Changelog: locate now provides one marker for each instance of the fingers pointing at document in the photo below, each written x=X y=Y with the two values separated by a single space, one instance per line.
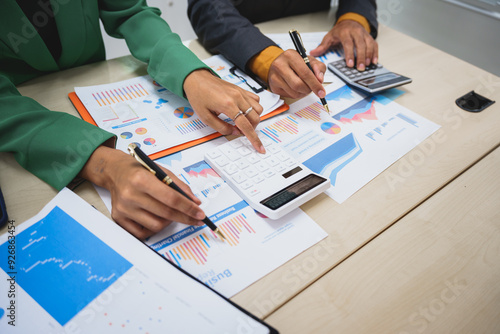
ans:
x=210 y=96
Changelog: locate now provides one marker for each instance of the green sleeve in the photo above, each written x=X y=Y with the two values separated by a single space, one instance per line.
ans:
x=150 y=39
x=52 y=145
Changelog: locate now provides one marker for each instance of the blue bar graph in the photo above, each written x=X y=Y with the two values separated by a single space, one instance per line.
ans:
x=408 y=119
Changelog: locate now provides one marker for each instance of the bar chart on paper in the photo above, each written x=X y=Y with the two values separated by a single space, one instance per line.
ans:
x=312 y=112
x=390 y=128
x=141 y=111
x=203 y=245
x=283 y=127
x=119 y=94
x=232 y=264
x=191 y=126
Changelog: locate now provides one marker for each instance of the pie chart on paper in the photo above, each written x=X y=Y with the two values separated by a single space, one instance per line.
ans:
x=126 y=135
x=330 y=128
x=149 y=141
x=141 y=131
x=183 y=112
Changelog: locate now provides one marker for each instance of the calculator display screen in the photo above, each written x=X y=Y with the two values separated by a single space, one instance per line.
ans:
x=377 y=79
x=383 y=81
x=293 y=191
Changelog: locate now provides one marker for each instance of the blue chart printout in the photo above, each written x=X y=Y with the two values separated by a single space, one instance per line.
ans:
x=75 y=271
x=62 y=275
x=363 y=135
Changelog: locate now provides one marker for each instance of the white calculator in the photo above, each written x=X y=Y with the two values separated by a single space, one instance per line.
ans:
x=273 y=183
x=373 y=79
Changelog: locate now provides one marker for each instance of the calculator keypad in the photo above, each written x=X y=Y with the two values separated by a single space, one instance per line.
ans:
x=248 y=170
x=352 y=73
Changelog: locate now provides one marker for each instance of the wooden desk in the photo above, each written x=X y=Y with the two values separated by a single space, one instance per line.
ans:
x=438 y=80
x=437 y=270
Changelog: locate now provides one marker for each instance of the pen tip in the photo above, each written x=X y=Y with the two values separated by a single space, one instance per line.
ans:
x=326 y=108
x=219 y=233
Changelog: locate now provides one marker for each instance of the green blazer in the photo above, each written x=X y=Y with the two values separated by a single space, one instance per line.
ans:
x=54 y=145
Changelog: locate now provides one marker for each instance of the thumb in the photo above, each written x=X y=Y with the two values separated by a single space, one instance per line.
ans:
x=323 y=47
x=320 y=50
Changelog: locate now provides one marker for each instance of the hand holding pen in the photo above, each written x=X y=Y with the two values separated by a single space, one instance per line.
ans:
x=161 y=175
x=141 y=204
x=297 y=42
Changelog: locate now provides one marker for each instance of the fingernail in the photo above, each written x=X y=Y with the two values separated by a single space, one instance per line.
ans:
x=321 y=76
x=321 y=94
x=200 y=215
x=361 y=67
x=236 y=132
x=350 y=63
x=200 y=223
x=262 y=149
x=367 y=61
x=375 y=60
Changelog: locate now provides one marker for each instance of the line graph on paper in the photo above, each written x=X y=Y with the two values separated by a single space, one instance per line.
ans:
x=60 y=275
x=342 y=98
x=203 y=180
x=362 y=111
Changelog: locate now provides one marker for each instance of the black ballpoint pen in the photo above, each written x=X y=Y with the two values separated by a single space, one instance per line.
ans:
x=297 y=41
x=144 y=160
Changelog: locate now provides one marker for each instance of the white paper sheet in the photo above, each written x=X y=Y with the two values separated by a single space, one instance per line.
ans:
x=141 y=111
x=228 y=266
x=361 y=138
x=78 y=272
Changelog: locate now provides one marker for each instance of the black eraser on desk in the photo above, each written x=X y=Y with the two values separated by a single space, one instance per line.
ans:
x=473 y=102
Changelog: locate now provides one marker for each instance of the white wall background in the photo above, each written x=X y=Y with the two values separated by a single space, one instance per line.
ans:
x=466 y=34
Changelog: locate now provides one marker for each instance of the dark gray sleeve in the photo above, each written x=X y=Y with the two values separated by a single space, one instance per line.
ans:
x=222 y=29
x=366 y=8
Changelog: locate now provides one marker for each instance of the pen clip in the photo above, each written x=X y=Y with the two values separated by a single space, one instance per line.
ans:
x=299 y=44
x=131 y=148
x=300 y=37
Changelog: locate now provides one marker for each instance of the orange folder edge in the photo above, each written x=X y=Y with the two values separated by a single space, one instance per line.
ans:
x=86 y=117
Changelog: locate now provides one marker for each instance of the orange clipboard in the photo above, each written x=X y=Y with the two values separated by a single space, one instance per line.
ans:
x=86 y=117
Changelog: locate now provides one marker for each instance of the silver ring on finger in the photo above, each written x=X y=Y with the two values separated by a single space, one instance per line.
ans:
x=248 y=111
x=238 y=115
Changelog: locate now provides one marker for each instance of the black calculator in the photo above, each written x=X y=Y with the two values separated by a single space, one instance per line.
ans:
x=373 y=79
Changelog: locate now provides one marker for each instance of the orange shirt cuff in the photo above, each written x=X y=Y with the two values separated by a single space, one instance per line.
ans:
x=261 y=62
x=356 y=17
